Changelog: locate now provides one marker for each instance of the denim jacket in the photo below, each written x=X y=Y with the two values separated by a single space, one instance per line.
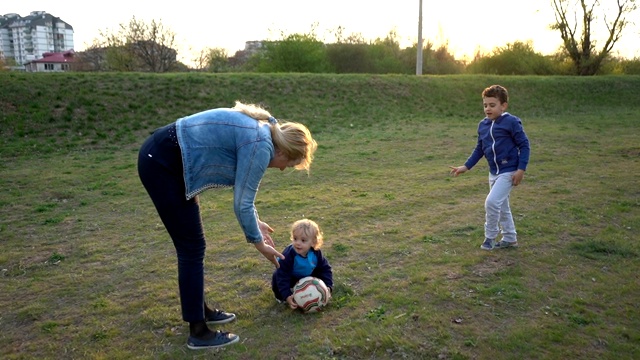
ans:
x=226 y=148
x=503 y=142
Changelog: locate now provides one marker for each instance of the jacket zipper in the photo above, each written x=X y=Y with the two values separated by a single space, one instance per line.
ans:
x=493 y=148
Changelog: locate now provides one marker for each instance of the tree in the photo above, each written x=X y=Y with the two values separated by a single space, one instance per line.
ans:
x=440 y=61
x=6 y=63
x=582 y=51
x=93 y=58
x=294 y=53
x=353 y=38
x=349 y=53
x=217 y=60
x=153 y=44
x=139 y=46
x=212 y=60
x=200 y=61
x=349 y=58
x=518 y=58
x=385 y=56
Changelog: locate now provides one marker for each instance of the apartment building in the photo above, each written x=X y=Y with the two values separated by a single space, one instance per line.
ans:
x=25 y=39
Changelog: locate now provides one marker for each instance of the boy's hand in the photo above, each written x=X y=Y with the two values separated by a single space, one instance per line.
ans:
x=517 y=177
x=457 y=170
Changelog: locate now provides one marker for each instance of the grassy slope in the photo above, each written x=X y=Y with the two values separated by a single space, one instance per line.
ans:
x=89 y=272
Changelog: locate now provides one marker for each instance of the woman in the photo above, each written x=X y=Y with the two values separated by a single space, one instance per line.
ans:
x=226 y=147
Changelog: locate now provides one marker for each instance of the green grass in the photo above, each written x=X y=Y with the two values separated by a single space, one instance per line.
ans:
x=88 y=271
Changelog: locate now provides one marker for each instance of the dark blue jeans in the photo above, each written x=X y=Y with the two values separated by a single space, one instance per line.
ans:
x=160 y=170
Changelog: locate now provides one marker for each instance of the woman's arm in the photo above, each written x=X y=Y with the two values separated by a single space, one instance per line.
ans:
x=252 y=162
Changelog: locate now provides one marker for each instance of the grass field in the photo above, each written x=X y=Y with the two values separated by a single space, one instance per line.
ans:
x=88 y=271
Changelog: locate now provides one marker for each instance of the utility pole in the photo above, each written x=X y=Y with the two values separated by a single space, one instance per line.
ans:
x=419 y=57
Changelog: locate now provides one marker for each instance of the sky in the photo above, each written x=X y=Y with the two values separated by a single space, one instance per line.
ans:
x=465 y=26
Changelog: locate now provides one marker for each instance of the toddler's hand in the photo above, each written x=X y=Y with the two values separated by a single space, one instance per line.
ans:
x=291 y=302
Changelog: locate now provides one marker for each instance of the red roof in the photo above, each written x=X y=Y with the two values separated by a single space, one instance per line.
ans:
x=63 y=57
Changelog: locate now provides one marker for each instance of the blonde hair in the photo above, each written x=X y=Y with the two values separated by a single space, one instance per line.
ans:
x=293 y=139
x=310 y=229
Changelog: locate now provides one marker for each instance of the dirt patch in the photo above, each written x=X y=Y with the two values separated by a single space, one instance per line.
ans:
x=491 y=265
x=7 y=108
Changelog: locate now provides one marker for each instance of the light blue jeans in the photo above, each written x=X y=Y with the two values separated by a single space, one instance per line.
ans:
x=498 y=212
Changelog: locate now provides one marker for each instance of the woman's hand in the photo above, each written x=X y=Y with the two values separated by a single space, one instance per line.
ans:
x=266 y=230
x=269 y=252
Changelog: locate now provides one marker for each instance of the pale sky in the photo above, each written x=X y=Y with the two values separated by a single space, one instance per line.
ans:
x=466 y=26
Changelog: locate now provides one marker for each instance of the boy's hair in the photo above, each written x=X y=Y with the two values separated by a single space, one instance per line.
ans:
x=310 y=229
x=293 y=139
x=498 y=92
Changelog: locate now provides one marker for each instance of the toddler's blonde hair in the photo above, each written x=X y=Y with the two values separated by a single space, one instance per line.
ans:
x=310 y=229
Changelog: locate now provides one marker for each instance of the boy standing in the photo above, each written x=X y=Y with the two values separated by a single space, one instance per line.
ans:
x=503 y=142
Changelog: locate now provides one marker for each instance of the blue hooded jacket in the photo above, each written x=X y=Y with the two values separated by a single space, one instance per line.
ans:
x=503 y=142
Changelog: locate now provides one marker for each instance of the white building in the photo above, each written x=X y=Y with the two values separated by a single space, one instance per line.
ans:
x=52 y=62
x=25 y=39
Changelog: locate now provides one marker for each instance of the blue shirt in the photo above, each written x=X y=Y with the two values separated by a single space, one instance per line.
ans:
x=303 y=266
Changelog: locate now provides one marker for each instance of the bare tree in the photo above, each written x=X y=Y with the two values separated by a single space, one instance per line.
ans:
x=93 y=58
x=200 y=60
x=152 y=43
x=139 y=46
x=582 y=51
x=342 y=38
x=211 y=60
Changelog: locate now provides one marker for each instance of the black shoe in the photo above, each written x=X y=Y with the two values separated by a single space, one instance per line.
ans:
x=220 y=317
x=219 y=339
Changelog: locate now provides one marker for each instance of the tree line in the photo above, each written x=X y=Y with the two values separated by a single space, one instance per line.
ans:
x=140 y=46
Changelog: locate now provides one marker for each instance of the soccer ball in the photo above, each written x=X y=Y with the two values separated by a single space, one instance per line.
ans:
x=311 y=294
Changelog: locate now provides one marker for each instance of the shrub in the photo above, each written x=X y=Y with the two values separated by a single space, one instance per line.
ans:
x=514 y=59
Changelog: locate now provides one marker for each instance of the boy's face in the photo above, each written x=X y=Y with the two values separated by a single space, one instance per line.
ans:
x=301 y=242
x=493 y=108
